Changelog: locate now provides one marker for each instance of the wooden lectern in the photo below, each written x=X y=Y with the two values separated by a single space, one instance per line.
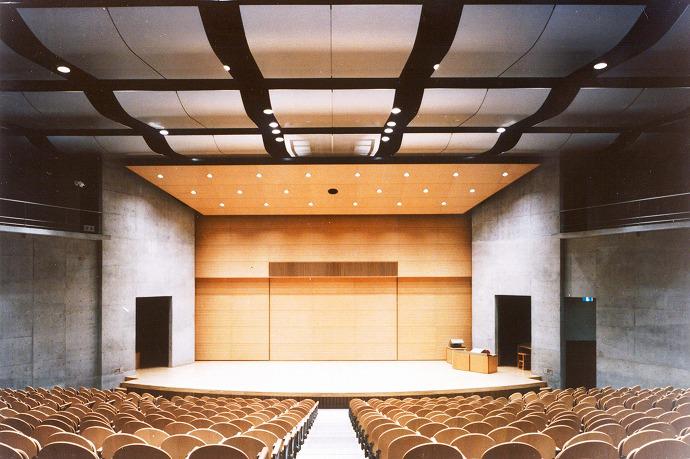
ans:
x=483 y=363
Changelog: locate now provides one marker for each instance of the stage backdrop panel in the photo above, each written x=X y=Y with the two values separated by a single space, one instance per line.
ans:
x=333 y=319
x=232 y=319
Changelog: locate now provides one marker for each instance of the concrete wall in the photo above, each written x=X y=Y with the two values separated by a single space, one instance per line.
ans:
x=150 y=253
x=514 y=252
x=641 y=282
x=49 y=311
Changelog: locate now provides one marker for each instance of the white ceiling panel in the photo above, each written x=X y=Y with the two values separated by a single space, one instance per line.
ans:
x=504 y=107
x=160 y=109
x=539 y=143
x=491 y=37
x=356 y=144
x=193 y=144
x=309 y=144
x=240 y=144
x=471 y=143
x=424 y=143
x=448 y=107
x=64 y=109
x=76 y=144
x=593 y=106
x=362 y=107
x=88 y=38
x=302 y=108
x=670 y=56
x=216 y=109
x=125 y=145
x=16 y=67
x=373 y=40
x=574 y=36
x=289 y=41
x=172 y=40
x=583 y=143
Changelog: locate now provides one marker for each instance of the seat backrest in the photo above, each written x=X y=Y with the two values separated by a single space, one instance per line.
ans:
x=42 y=432
x=401 y=445
x=208 y=436
x=560 y=434
x=478 y=427
x=639 y=438
x=449 y=434
x=96 y=435
x=430 y=429
x=586 y=436
x=433 y=451
x=512 y=450
x=140 y=451
x=7 y=452
x=64 y=450
x=504 y=434
x=387 y=438
x=178 y=446
x=248 y=445
x=218 y=452
x=615 y=431
x=541 y=442
x=177 y=428
x=71 y=438
x=115 y=442
x=151 y=435
x=664 y=448
x=591 y=448
x=226 y=429
x=18 y=440
x=473 y=445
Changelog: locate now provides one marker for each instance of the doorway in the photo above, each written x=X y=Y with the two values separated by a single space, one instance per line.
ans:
x=513 y=327
x=580 y=331
x=153 y=331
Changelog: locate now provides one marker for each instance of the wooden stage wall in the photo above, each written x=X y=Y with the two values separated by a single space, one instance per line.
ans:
x=242 y=313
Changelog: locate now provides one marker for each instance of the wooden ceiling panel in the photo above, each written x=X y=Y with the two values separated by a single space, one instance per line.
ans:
x=451 y=189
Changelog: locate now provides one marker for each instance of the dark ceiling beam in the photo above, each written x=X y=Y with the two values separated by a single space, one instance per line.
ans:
x=16 y=34
x=225 y=32
x=336 y=83
x=654 y=21
x=15 y=130
x=438 y=24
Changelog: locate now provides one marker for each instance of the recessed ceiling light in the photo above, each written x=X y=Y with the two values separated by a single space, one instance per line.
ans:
x=222 y=204
x=193 y=191
x=195 y=159
x=395 y=110
x=311 y=204
x=385 y=138
x=436 y=66
x=357 y=174
x=286 y=191
x=268 y=111
x=160 y=176
x=163 y=132
x=390 y=123
x=226 y=68
x=240 y=191
x=379 y=190
x=444 y=203
x=406 y=174
x=425 y=190
x=209 y=175
x=399 y=204
x=265 y=204
x=505 y=174
x=275 y=131
x=307 y=175
x=273 y=124
x=63 y=69
x=279 y=139
x=355 y=204
x=455 y=174
x=388 y=130
x=259 y=175
x=600 y=65
x=501 y=130
x=472 y=190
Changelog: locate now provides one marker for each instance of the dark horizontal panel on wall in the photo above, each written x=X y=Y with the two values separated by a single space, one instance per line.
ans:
x=333 y=269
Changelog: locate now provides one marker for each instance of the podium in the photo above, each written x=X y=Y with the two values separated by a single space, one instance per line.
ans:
x=483 y=363
x=461 y=359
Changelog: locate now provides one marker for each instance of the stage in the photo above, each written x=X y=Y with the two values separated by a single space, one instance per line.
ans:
x=333 y=383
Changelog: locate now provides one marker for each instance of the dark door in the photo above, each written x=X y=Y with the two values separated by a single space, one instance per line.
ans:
x=153 y=331
x=580 y=329
x=513 y=327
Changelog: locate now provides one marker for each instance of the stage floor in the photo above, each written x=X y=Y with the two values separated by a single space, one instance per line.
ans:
x=327 y=379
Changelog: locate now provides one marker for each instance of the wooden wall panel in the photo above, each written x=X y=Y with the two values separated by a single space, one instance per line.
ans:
x=423 y=245
x=430 y=312
x=232 y=319
x=333 y=319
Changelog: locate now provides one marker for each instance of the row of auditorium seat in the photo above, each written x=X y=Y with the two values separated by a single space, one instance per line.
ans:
x=87 y=423
x=601 y=423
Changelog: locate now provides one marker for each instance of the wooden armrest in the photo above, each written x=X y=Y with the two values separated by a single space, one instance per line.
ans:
x=263 y=454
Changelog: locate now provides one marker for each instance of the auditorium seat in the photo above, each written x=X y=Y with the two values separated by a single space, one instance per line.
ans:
x=217 y=452
x=140 y=451
x=511 y=451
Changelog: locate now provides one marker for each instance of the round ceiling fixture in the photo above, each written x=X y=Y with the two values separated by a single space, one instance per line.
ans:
x=332 y=191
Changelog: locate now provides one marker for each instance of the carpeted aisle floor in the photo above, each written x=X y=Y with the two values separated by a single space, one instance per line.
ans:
x=331 y=436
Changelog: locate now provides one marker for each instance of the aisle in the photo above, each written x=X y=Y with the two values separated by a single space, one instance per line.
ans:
x=331 y=436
